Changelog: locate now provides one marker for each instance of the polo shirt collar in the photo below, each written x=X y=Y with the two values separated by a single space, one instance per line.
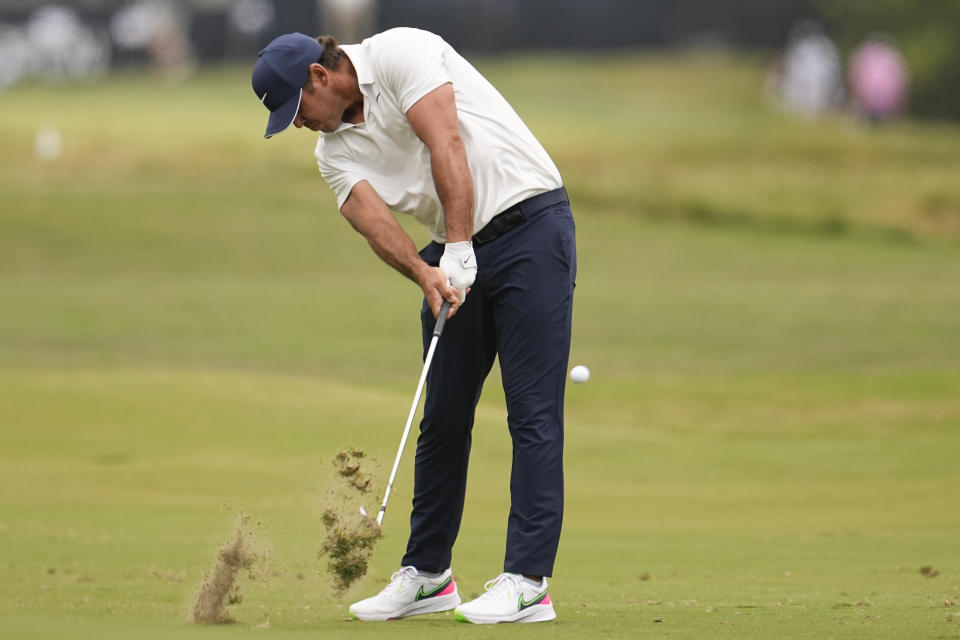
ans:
x=365 y=79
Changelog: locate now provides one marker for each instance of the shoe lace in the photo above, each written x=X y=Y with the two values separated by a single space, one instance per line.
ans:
x=399 y=577
x=503 y=583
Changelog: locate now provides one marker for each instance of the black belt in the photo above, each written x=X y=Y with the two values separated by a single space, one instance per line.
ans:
x=517 y=214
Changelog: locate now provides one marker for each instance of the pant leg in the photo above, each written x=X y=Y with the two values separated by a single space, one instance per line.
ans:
x=461 y=362
x=533 y=306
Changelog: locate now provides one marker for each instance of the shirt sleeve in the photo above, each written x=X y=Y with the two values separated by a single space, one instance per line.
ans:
x=410 y=63
x=339 y=171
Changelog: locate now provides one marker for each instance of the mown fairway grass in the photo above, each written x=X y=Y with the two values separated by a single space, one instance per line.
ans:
x=768 y=447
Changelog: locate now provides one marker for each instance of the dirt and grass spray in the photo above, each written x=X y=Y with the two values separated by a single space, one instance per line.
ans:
x=351 y=532
x=239 y=557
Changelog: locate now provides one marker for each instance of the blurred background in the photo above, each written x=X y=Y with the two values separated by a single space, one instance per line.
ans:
x=879 y=57
x=768 y=223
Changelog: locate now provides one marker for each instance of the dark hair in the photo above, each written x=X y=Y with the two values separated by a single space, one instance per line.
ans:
x=332 y=53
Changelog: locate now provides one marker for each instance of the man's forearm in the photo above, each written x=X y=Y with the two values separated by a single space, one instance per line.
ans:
x=367 y=213
x=397 y=249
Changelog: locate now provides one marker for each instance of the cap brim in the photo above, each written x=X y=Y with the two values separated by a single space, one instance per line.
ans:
x=283 y=117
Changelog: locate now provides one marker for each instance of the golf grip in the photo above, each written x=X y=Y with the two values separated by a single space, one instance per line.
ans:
x=441 y=318
x=437 y=330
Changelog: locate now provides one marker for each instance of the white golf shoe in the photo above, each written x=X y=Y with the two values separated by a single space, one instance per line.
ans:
x=509 y=598
x=409 y=593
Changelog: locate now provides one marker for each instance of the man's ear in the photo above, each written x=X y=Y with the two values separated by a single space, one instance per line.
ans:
x=318 y=73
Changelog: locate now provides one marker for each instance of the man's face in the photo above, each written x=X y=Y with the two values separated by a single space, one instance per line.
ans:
x=321 y=109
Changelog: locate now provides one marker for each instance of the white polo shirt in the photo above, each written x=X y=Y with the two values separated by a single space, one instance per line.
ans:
x=395 y=69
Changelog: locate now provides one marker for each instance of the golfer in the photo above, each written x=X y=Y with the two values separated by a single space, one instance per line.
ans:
x=408 y=126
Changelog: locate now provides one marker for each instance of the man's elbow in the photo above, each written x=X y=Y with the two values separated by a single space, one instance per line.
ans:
x=454 y=144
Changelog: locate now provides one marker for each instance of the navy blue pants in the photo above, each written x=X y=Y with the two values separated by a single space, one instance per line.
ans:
x=519 y=309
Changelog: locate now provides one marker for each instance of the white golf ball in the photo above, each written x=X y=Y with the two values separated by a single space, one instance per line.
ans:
x=47 y=144
x=579 y=373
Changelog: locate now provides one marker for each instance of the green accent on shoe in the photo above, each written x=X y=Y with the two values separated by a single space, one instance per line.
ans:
x=459 y=617
x=353 y=615
x=537 y=600
x=421 y=595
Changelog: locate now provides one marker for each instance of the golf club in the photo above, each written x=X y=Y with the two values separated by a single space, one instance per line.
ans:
x=437 y=330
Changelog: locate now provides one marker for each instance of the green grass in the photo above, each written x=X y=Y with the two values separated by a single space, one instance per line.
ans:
x=767 y=448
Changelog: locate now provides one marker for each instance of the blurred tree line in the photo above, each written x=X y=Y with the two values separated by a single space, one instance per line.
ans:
x=493 y=26
x=926 y=31
x=928 y=35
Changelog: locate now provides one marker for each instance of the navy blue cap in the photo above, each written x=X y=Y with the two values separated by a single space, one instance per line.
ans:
x=279 y=75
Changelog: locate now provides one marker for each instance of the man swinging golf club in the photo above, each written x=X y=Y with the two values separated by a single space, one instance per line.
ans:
x=408 y=126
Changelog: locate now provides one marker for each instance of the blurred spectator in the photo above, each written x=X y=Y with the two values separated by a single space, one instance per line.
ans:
x=251 y=17
x=879 y=79
x=249 y=25
x=159 y=27
x=351 y=20
x=14 y=56
x=53 y=44
x=63 y=46
x=809 y=81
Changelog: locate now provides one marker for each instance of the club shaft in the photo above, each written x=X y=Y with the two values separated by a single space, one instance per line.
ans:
x=438 y=329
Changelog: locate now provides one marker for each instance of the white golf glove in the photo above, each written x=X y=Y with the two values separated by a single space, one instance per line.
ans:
x=459 y=264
